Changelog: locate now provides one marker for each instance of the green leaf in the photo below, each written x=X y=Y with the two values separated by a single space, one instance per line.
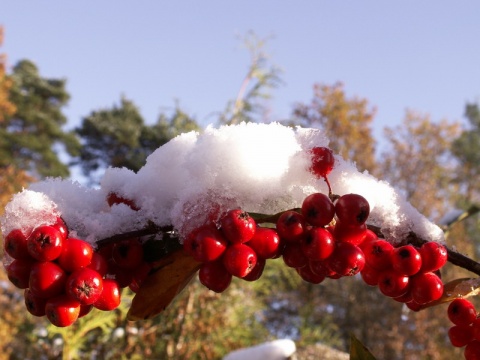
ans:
x=358 y=351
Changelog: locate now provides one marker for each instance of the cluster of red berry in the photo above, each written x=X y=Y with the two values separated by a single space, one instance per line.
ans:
x=407 y=274
x=63 y=277
x=466 y=327
x=230 y=250
x=325 y=239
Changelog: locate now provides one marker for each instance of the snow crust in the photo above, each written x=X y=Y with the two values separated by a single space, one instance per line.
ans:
x=280 y=349
x=258 y=167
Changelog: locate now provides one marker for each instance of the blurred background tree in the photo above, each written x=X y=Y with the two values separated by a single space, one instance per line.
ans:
x=261 y=78
x=32 y=137
x=119 y=137
x=347 y=123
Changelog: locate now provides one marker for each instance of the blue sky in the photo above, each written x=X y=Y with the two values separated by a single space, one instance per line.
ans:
x=422 y=55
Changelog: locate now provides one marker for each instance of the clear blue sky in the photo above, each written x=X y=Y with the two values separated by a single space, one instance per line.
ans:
x=423 y=55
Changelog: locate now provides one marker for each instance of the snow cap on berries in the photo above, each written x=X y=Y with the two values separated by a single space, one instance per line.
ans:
x=197 y=177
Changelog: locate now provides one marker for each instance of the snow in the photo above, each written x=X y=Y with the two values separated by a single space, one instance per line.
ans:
x=273 y=350
x=258 y=167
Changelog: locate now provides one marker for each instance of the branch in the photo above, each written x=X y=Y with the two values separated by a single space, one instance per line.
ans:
x=454 y=257
x=150 y=229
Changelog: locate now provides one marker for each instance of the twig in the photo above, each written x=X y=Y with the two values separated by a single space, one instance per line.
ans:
x=454 y=257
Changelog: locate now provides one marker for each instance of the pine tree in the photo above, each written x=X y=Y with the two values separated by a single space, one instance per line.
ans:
x=32 y=137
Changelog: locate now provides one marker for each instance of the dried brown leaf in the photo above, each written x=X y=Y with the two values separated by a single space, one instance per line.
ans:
x=170 y=276
x=464 y=287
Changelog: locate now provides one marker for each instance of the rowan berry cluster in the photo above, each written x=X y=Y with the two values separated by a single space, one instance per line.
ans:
x=405 y=273
x=236 y=248
x=327 y=237
x=63 y=277
x=465 y=331
x=322 y=239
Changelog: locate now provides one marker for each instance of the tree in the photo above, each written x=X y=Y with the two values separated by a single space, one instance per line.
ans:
x=119 y=137
x=12 y=179
x=110 y=137
x=7 y=108
x=419 y=162
x=466 y=149
x=260 y=79
x=346 y=121
x=31 y=138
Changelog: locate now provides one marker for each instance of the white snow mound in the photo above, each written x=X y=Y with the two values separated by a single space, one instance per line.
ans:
x=258 y=167
x=273 y=350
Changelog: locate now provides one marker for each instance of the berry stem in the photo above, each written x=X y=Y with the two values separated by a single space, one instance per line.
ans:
x=265 y=218
x=150 y=229
x=330 y=193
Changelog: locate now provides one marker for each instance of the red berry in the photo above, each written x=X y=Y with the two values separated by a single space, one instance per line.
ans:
x=128 y=253
x=369 y=236
x=215 y=276
x=308 y=275
x=106 y=251
x=293 y=255
x=352 y=209
x=239 y=259
x=257 y=270
x=35 y=305
x=99 y=264
x=47 y=279
x=110 y=297
x=405 y=298
x=207 y=243
x=461 y=312
x=15 y=245
x=434 y=256
x=291 y=226
x=426 y=287
x=370 y=275
x=347 y=259
x=323 y=161
x=476 y=328
x=113 y=199
x=393 y=284
x=61 y=226
x=378 y=254
x=472 y=350
x=412 y=305
x=317 y=244
x=62 y=311
x=352 y=234
x=76 y=254
x=122 y=276
x=266 y=243
x=460 y=335
x=406 y=260
x=45 y=243
x=139 y=276
x=18 y=272
x=85 y=286
x=84 y=310
x=238 y=226
x=318 y=209
x=319 y=267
